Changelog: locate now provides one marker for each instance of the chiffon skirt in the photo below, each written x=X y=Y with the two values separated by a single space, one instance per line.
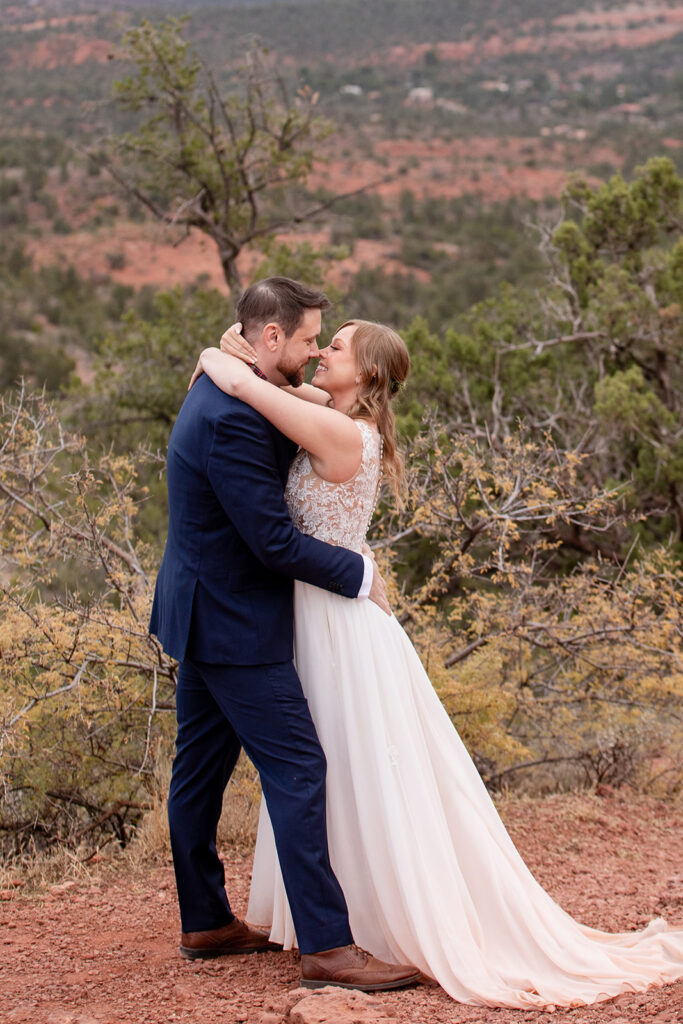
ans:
x=430 y=875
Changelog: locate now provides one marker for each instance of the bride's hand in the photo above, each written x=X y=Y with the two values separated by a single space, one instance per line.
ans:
x=227 y=372
x=378 y=592
x=234 y=344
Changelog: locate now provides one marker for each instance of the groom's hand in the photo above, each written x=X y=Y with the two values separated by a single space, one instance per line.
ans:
x=378 y=592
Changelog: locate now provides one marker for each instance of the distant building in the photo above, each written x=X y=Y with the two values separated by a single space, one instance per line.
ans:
x=629 y=108
x=451 y=106
x=564 y=130
x=420 y=95
x=494 y=85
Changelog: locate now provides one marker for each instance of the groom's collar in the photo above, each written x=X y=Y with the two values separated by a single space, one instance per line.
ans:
x=257 y=371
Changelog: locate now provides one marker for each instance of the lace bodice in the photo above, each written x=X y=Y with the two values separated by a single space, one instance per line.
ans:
x=337 y=513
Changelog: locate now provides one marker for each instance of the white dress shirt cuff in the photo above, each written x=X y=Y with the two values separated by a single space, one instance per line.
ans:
x=367 y=578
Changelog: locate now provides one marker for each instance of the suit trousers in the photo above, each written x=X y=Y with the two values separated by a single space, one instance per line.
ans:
x=262 y=708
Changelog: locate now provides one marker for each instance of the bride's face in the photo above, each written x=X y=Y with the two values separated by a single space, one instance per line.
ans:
x=337 y=371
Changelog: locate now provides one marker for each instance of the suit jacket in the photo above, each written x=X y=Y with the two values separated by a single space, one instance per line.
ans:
x=224 y=593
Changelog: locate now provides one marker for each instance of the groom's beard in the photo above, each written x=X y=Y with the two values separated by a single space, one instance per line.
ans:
x=294 y=375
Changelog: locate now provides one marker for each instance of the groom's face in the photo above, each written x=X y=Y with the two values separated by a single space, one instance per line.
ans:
x=299 y=347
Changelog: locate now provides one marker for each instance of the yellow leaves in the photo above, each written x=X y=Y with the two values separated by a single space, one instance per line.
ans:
x=61 y=506
x=540 y=494
x=671 y=313
x=87 y=666
x=531 y=662
x=118 y=467
x=492 y=501
x=480 y=700
x=77 y=669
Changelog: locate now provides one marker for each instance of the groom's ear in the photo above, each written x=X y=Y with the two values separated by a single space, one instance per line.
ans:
x=272 y=336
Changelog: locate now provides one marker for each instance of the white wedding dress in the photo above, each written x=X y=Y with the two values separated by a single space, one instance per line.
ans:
x=430 y=875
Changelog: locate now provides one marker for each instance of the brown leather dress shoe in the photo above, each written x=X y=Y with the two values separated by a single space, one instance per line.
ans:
x=351 y=967
x=233 y=938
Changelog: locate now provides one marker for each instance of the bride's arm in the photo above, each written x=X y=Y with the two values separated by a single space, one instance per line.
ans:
x=235 y=344
x=330 y=437
x=308 y=393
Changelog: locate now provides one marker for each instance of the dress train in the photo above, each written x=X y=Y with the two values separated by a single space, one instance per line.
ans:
x=430 y=875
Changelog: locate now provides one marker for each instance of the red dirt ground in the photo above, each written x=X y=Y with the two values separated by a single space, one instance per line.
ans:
x=494 y=169
x=632 y=27
x=593 y=40
x=490 y=168
x=61 y=50
x=103 y=951
x=150 y=257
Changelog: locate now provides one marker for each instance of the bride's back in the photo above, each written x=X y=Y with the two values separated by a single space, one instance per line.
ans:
x=337 y=513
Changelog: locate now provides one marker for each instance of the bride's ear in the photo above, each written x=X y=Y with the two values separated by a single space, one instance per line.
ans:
x=373 y=375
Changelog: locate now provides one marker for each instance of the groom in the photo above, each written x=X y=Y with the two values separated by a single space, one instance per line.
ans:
x=223 y=607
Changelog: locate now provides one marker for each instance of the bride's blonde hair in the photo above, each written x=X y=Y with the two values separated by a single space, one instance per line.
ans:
x=383 y=366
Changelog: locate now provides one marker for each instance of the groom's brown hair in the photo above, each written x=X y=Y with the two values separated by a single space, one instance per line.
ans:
x=280 y=300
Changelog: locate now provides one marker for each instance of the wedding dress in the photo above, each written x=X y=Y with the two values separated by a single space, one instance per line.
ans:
x=430 y=875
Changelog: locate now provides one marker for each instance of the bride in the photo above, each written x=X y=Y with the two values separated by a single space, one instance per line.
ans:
x=430 y=875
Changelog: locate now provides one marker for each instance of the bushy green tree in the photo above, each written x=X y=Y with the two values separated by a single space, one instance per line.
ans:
x=143 y=367
x=593 y=356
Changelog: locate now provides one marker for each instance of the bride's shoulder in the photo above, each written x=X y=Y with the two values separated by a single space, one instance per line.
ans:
x=369 y=432
x=367 y=427
x=372 y=440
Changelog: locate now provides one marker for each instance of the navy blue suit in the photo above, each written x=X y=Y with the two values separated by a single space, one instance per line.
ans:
x=223 y=607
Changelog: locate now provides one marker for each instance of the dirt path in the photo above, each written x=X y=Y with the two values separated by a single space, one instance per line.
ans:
x=104 y=951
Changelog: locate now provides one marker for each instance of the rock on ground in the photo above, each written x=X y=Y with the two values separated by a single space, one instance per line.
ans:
x=328 y=1006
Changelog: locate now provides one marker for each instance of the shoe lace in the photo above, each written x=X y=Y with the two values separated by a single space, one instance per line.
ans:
x=365 y=956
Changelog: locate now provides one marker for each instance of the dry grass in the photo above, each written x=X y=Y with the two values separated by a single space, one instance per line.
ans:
x=36 y=870
x=236 y=829
x=239 y=821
